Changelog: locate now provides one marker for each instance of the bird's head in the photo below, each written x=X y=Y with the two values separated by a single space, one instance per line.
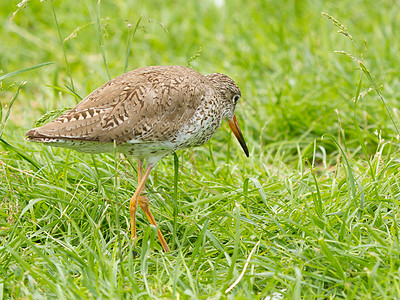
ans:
x=229 y=95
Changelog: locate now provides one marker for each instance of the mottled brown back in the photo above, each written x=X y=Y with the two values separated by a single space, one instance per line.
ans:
x=147 y=104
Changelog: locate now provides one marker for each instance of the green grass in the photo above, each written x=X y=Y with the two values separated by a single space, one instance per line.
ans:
x=312 y=214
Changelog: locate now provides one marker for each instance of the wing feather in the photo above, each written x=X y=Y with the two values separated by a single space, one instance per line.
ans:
x=147 y=104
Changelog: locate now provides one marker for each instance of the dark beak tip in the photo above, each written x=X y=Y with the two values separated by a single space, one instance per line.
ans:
x=244 y=146
x=236 y=130
x=246 y=151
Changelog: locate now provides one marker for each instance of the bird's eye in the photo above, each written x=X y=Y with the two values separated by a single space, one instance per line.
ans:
x=236 y=98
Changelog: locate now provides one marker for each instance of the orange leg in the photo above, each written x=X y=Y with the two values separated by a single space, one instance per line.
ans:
x=144 y=204
x=134 y=200
x=140 y=169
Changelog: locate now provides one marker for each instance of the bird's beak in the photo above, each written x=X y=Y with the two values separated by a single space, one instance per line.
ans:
x=233 y=124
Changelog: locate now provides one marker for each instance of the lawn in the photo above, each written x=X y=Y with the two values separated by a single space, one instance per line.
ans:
x=313 y=213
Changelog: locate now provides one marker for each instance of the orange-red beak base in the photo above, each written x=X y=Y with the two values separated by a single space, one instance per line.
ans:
x=233 y=124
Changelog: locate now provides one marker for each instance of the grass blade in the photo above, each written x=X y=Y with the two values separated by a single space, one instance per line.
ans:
x=129 y=45
x=20 y=71
x=349 y=168
x=376 y=88
x=67 y=90
x=19 y=152
x=175 y=198
x=3 y=122
x=62 y=43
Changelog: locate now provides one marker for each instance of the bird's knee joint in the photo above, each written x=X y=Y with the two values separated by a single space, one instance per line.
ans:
x=133 y=206
x=144 y=202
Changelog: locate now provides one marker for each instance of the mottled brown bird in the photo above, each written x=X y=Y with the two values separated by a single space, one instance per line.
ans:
x=147 y=113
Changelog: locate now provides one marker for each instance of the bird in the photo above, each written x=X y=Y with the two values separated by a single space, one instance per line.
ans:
x=147 y=114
